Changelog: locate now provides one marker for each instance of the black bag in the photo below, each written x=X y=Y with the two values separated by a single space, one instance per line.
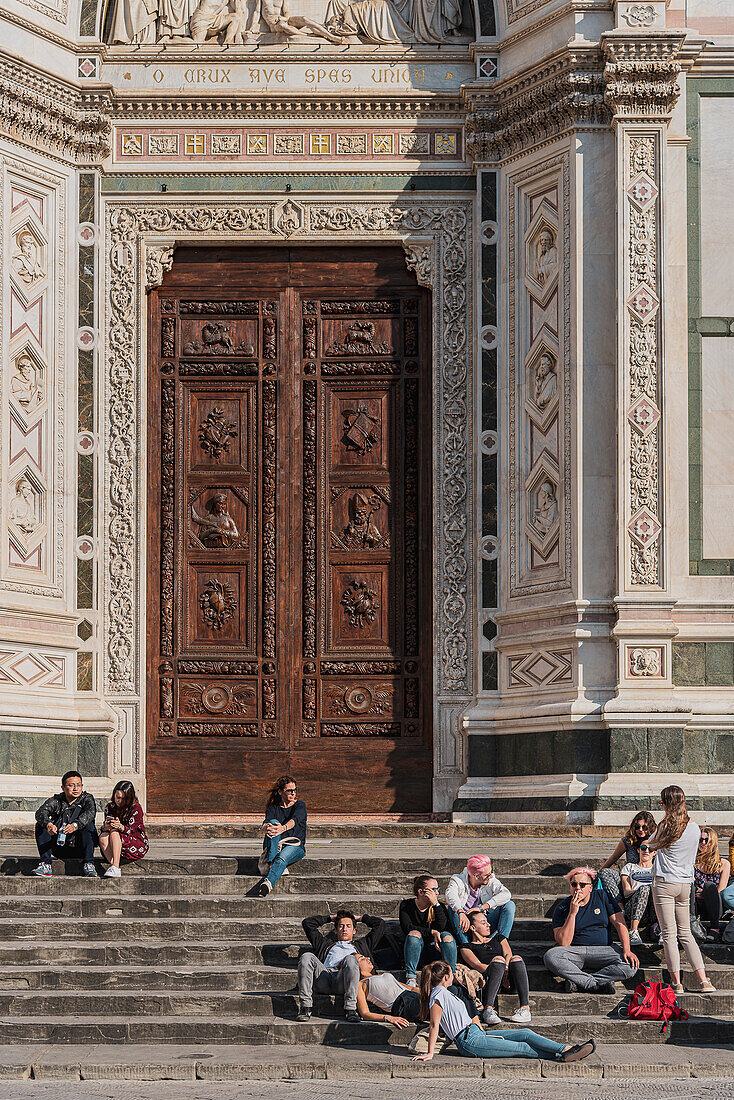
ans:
x=727 y=936
x=698 y=930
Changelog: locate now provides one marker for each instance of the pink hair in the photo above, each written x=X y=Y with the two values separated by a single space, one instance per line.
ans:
x=476 y=864
x=582 y=871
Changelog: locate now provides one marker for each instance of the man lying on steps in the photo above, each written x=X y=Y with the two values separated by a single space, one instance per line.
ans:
x=333 y=965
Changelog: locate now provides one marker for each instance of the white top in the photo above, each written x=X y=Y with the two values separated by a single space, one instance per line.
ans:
x=454 y=1017
x=637 y=875
x=383 y=990
x=493 y=894
x=336 y=954
x=676 y=863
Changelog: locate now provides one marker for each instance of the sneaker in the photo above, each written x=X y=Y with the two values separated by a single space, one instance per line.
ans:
x=113 y=872
x=304 y=1014
x=90 y=871
x=43 y=870
x=352 y=1017
x=607 y=987
x=264 y=888
x=490 y=1017
x=706 y=987
x=578 y=1051
x=678 y=989
x=522 y=1016
x=411 y=981
x=570 y=987
x=636 y=938
x=263 y=866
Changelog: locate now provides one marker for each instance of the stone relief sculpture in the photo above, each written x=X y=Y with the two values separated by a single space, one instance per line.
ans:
x=546 y=512
x=26 y=383
x=142 y=22
x=546 y=256
x=546 y=381
x=26 y=261
x=217 y=529
x=22 y=510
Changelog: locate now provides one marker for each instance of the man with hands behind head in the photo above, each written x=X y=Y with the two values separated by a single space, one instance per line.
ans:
x=582 y=926
x=68 y=815
x=333 y=965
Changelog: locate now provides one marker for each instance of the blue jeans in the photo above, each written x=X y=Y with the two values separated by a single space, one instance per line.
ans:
x=515 y=1043
x=500 y=920
x=279 y=860
x=418 y=951
x=79 y=845
x=727 y=896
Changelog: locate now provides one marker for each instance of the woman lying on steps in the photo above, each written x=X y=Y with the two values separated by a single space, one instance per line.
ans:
x=448 y=1014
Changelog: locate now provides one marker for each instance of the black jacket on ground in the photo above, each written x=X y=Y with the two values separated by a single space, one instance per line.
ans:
x=60 y=812
x=321 y=943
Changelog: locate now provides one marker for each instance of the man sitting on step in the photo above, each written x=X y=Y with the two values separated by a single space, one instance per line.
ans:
x=65 y=827
x=333 y=965
x=582 y=927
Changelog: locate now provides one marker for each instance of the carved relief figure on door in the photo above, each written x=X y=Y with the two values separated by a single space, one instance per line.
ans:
x=362 y=531
x=217 y=529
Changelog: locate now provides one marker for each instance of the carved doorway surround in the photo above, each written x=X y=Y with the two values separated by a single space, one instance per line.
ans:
x=436 y=234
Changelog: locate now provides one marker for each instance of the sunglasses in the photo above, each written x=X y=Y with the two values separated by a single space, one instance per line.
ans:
x=644 y=848
x=581 y=885
x=289 y=790
x=704 y=840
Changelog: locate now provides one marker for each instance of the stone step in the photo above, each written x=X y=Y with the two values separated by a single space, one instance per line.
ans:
x=248 y=828
x=312 y=883
x=63 y=1004
x=211 y=905
x=259 y=1031
x=257 y=978
x=12 y=865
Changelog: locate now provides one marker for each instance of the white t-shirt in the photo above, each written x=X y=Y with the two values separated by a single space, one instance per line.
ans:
x=338 y=953
x=383 y=990
x=454 y=1017
x=676 y=863
x=637 y=875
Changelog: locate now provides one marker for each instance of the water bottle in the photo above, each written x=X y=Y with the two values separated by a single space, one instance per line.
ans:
x=60 y=838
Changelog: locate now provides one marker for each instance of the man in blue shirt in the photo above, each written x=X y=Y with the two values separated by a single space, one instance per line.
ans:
x=333 y=965
x=582 y=926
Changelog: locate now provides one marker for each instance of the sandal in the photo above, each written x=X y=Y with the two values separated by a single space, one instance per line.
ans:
x=579 y=1051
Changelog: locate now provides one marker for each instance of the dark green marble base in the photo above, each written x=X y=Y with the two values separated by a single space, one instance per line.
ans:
x=585 y=804
x=52 y=753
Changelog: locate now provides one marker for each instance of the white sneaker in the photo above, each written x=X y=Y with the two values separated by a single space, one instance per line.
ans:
x=490 y=1016
x=285 y=872
x=113 y=872
x=412 y=983
x=522 y=1016
x=636 y=938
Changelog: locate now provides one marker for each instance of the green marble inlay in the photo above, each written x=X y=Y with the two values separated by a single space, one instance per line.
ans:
x=699 y=566
x=87 y=210
x=84 y=583
x=88 y=27
x=86 y=287
x=31 y=754
x=84 y=672
x=85 y=495
x=703 y=664
x=85 y=391
x=258 y=182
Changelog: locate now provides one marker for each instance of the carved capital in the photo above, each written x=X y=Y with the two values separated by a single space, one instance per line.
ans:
x=158 y=260
x=419 y=258
x=641 y=73
x=524 y=110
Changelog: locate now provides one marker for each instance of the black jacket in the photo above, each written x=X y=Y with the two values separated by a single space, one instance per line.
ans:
x=57 y=810
x=364 y=946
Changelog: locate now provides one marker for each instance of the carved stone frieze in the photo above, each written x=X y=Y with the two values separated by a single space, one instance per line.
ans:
x=512 y=115
x=641 y=73
x=132 y=225
x=158 y=260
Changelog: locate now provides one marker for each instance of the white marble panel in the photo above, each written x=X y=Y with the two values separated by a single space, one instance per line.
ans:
x=717 y=210
x=717 y=414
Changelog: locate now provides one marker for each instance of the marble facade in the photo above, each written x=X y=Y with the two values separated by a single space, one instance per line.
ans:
x=558 y=175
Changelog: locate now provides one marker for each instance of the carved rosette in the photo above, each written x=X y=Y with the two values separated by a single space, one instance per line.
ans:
x=133 y=224
x=641 y=76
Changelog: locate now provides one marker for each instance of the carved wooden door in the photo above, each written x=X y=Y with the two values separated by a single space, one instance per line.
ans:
x=289 y=522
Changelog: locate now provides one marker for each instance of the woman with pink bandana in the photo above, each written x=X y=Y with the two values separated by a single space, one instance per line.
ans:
x=478 y=888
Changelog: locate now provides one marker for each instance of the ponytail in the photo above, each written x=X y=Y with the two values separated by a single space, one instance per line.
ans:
x=431 y=976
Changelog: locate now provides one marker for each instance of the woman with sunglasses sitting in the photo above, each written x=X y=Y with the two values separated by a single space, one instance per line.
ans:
x=636 y=882
x=284 y=830
x=710 y=879
x=641 y=828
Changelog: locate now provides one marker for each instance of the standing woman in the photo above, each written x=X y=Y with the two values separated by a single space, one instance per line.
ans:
x=123 y=833
x=675 y=843
x=710 y=879
x=447 y=1012
x=284 y=829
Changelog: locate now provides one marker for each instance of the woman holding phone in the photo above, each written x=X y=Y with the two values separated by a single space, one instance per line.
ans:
x=123 y=833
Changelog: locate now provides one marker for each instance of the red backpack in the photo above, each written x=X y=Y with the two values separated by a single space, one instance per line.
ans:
x=654 y=1001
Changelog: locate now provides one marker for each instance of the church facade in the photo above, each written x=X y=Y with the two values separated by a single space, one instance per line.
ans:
x=366 y=412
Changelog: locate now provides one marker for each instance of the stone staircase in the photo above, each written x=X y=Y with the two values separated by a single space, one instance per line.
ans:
x=179 y=951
